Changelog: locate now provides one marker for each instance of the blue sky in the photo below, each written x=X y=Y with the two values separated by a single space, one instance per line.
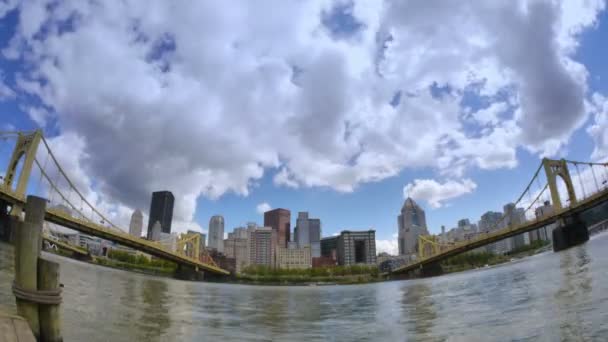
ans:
x=310 y=138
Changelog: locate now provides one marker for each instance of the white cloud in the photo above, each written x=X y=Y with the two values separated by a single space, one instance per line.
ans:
x=38 y=115
x=435 y=193
x=203 y=99
x=599 y=129
x=6 y=93
x=263 y=207
x=387 y=246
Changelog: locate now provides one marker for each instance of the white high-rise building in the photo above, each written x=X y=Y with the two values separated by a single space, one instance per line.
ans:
x=412 y=223
x=544 y=233
x=490 y=221
x=136 y=224
x=216 y=233
x=156 y=230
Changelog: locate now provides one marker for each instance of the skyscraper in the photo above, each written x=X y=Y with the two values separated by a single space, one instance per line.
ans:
x=279 y=220
x=137 y=223
x=301 y=230
x=161 y=210
x=412 y=223
x=308 y=233
x=216 y=233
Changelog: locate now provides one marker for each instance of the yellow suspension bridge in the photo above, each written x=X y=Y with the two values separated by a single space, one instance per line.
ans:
x=592 y=192
x=61 y=193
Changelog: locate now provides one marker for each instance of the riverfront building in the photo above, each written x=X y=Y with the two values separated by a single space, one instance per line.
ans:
x=329 y=247
x=357 y=247
x=489 y=222
x=136 y=224
x=155 y=232
x=544 y=233
x=261 y=248
x=412 y=223
x=161 y=210
x=294 y=258
x=237 y=247
x=216 y=233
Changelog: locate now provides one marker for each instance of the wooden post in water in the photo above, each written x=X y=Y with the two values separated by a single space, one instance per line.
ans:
x=27 y=249
x=50 y=320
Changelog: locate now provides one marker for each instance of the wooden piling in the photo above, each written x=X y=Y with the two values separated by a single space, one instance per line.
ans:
x=27 y=249
x=50 y=320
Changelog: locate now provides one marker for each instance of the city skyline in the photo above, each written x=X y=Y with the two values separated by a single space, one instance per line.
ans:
x=459 y=144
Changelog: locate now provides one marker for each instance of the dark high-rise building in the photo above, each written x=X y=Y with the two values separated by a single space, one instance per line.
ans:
x=329 y=247
x=279 y=220
x=161 y=210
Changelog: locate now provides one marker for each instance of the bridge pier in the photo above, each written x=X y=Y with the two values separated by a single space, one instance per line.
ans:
x=184 y=272
x=571 y=233
x=431 y=270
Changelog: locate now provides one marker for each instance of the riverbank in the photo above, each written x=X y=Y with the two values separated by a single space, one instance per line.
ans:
x=150 y=270
x=336 y=275
x=304 y=281
x=470 y=261
x=121 y=265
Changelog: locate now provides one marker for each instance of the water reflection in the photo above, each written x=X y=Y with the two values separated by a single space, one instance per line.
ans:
x=545 y=298
x=574 y=292
x=419 y=311
x=154 y=320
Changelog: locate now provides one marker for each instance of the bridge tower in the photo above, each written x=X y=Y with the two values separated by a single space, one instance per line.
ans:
x=26 y=147
x=554 y=168
x=571 y=230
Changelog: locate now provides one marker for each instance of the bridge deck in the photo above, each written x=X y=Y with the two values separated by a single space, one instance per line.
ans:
x=67 y=246
x=122 y=238
x=486 y=239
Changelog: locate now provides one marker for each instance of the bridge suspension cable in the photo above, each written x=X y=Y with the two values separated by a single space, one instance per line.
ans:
x=72 y=187
x=437 y=246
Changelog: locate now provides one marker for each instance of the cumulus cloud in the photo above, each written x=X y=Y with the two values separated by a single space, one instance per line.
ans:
x=599 y=128
x=263 y=207
x=203 y=99
x=436 y=193
x=387 y=246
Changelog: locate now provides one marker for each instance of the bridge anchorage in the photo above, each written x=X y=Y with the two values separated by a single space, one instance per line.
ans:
x=35 y=171
x=554 y=200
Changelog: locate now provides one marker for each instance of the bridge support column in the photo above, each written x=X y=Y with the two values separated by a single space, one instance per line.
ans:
x=184 y=272
x=571 y=233
x=431 y=270
x=28 y=243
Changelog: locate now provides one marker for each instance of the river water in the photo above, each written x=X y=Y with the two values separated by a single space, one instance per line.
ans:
x=549 y=297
